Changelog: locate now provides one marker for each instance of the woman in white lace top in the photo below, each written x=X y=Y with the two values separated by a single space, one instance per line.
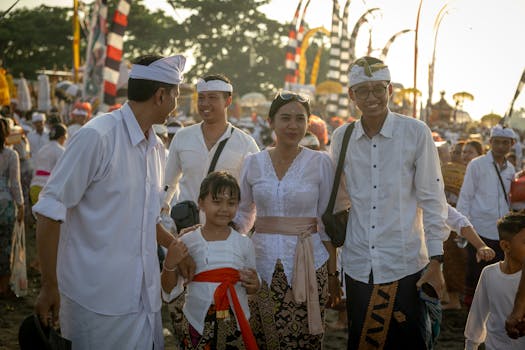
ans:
x=284 y=191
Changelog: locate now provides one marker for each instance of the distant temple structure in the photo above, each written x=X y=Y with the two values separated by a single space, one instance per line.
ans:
x=443 y=114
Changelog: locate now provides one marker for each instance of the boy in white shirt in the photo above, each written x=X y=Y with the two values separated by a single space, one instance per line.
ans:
x=497 y=286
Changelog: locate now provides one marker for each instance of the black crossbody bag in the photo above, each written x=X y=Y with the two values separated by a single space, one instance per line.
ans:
x=186 y=213
x=335 y=223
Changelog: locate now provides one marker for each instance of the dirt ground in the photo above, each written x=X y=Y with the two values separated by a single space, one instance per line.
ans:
x=12 y=312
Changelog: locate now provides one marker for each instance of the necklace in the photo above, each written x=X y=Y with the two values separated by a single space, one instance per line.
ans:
x=280 y=160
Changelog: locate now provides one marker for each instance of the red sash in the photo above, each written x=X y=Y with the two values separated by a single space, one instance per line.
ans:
x=227 y=277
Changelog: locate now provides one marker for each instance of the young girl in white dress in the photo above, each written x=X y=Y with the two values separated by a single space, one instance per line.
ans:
x=215 y=311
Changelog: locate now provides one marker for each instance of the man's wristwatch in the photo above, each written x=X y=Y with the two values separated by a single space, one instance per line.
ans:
x=438 y=258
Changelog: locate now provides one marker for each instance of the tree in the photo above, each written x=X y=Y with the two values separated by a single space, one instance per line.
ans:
x=32 y=39
x=224 y=36
x=227 y=36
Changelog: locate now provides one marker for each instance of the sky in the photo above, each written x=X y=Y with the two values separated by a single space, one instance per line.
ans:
x=479 y=48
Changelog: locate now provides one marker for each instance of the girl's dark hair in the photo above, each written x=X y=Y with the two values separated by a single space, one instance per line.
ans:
x=4 y=127
x=511 y=224
x=141 y=90
x=476 y=145
x=278 y=102
x=57 y=131
x=219 y=76
x=218 y=182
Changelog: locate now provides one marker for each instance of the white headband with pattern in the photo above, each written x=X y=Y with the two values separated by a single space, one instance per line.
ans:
x=166 y=70
x=213 y=85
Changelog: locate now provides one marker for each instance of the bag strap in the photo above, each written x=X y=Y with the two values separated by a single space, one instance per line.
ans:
x=218 y=152
x=501 y=183
x=339 y=169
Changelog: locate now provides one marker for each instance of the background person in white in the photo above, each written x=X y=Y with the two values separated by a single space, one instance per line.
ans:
x=192 y=148
x=394 y=181
x=483 y=201
x=97 y=220
x=39 y=136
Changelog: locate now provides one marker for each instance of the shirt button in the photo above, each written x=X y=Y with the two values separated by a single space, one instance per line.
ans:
x=374 y=146
x=373 y=247
x=373 y=226
x=375 y=186
x=373 y=207
x=374 y=165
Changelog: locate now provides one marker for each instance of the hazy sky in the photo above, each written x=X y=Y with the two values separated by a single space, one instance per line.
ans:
x=480 y=45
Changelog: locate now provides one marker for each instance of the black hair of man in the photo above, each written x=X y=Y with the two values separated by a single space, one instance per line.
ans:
x=219 y=76
x=141 y=90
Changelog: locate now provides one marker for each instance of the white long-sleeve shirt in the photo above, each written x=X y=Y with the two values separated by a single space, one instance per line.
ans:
x=106 y=191
x=492 y=303
x=455 y=220
x=189 y=160
x=236 y=252
x=45 y=160
x=481 y=198
x=304 y=191
x=388 y=177
x=37 y=141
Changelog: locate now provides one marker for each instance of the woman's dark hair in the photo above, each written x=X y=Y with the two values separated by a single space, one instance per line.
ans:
x=218 y=182
x=57 y=131
x=476 y=145
x=219 y=76
x=141 y=90
x=279 y=101
x=4 y=127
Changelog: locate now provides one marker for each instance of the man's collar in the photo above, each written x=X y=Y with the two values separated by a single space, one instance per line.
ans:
x=386 y=129
x=136 y=135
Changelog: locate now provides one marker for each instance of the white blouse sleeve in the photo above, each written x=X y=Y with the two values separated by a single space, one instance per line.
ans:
x=476 y=326
x=173 y=172
x=245 y=217
x=326 y=173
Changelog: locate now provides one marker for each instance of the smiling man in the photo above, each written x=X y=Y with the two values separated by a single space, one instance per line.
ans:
x=192 y=149
x=394 y=182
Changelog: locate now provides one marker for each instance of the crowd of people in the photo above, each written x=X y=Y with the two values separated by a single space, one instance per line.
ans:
x=431 y=221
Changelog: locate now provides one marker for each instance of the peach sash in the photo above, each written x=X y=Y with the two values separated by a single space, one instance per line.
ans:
x=304 y=282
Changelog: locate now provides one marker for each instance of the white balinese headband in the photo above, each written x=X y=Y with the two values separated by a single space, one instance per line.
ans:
x=361 y=71
x=166 y=70
x=213 y=85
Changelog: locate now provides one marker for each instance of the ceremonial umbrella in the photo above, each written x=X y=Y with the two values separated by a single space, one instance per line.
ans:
x=24 y=98
x=252 y=99
x=44 y=100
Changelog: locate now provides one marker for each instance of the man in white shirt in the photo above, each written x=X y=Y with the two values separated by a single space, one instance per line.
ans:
x=79 y=116
x=39 y=136
x=393 y=178
x=484 y=199
x=192 y=148
x=98 y=220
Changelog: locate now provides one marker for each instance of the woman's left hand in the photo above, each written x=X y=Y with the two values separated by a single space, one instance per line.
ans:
x=335 y=292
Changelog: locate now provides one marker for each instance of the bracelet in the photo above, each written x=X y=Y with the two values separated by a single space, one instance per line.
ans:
x=166 y=268
x=333 y=274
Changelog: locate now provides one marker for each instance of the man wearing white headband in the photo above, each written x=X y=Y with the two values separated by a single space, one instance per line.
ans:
x=394 y=182
x=39 y=136
x=484 y=198
x=192 y=148
x=97 y=220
